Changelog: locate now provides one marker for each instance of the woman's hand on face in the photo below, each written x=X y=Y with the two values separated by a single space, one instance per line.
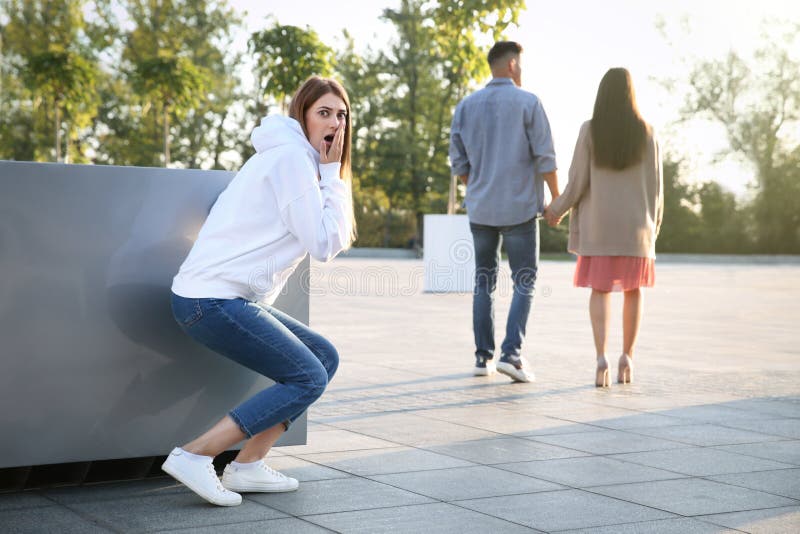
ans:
x=334 y=154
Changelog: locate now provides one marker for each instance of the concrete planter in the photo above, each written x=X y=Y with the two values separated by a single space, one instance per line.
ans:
x=449 y=255
x=94 y=365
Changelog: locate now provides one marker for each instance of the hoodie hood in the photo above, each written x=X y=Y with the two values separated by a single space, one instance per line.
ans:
x=277 y=130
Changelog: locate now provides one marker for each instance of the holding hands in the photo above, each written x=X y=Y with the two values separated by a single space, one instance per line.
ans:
x=551 y=218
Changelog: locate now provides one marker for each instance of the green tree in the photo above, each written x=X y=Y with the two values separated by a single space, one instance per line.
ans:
x=285 y=57
x=53 y=53
x=159 y=61
x=776 y=208
x=435 y=59
x=379 y=224
x=206 y=132
x=171 y=82
x=681 y=229
x=173 y=86
x=722 y=222
x=757 y=101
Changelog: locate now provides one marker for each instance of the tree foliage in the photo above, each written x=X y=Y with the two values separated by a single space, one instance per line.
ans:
x=757 y=101
x=285 y=57
x=53 y=57
x=438 y=54
x=172 y=58
x=149 y=82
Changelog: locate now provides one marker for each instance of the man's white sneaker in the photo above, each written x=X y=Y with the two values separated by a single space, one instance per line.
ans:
x=484 y=366
x=200 y=477
x=259 y=477
x=515 y=368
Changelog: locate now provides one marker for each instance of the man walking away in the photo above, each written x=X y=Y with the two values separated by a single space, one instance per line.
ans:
x=502 y=149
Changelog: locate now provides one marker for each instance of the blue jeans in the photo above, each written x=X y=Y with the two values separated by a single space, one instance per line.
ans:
x=522 y=247
x=300 y=361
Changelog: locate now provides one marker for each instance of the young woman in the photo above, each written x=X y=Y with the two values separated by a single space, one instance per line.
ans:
x=291 y=198
x=615 y=191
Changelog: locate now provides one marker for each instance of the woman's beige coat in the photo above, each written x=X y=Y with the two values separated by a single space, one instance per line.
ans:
x=614 y=213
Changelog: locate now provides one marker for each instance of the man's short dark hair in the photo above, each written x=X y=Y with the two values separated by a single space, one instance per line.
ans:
x=502 y=49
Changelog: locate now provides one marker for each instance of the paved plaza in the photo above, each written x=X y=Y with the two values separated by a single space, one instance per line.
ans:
x=706 y=439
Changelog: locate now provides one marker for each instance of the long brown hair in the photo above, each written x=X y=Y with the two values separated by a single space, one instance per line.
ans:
x=308 y=93
x=619 y=132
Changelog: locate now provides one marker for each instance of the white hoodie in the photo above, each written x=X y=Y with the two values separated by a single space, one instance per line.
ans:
x=274 y=211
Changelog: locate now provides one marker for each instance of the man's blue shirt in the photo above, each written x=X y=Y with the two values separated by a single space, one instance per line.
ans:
x=500 y=137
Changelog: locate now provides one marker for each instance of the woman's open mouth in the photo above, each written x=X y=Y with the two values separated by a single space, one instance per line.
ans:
x=329 y=139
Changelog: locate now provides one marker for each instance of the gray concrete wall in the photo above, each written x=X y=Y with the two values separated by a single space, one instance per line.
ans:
x=92 y=364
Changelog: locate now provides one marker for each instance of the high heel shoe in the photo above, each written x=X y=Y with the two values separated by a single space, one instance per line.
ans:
x=601 y=379
x=625 y=371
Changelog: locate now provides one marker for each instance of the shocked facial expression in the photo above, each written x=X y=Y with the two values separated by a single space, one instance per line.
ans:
x=323 y=117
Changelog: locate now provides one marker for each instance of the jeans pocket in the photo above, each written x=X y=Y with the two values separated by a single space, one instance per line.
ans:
x=190 y=313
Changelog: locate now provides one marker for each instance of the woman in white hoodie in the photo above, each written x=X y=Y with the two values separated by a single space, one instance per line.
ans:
x=291 y=198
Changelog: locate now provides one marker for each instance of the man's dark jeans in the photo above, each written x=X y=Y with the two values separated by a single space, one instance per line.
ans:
x=522 y=247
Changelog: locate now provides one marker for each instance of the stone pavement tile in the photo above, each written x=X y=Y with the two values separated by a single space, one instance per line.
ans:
x=787 y=428
x=165 y=485
x=646 y=402
x=696 y=461
x=466 y=483
x=412 y=430
x=504 y=450
x=338 y=495
x=311 y=424
x=683 y=525
x=335 y=440
x=780 y=406
x=639 y=420
x=46 y=519
x=384 y=461
x=18 y=501
x=562 y=510
x=376 y=422
x=170 y=511
x=693 y=496
x=494 y=419
x=559 y=426
x=771 y=521
x=585 y=412
x=438 y=518
x=706 y=435
x=713 y=413
x=376 y=378
x=784 y=482
x=289 y=524
x=608 y=442
x=781 y=451
x=588 y=471
x=303 y=470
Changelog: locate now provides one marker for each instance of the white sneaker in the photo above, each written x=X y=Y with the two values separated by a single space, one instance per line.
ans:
x=261 y=478
x=484 y=366
x=200 y=477
x=516 y=368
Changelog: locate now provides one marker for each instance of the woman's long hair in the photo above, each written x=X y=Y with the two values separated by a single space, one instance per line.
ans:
x=308 y=93
x=618 y=131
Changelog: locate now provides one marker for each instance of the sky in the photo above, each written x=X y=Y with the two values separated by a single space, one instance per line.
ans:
x=568 y=46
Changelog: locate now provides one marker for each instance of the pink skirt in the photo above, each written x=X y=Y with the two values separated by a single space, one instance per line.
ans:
x=614 y=273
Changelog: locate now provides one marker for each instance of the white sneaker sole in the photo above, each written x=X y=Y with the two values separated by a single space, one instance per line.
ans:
x=513 y=373
x=177 y=475
x=258 y=488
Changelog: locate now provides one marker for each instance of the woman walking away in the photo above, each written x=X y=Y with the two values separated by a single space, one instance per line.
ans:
x=291 y=198
x=615 y=192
